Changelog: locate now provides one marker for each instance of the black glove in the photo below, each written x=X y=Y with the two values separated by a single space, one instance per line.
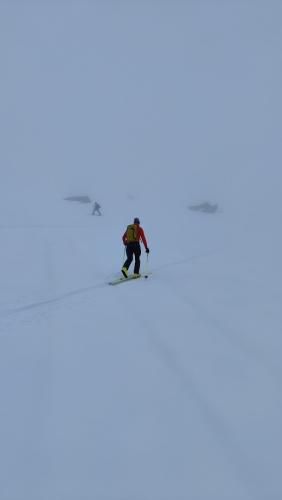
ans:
x=147 y=250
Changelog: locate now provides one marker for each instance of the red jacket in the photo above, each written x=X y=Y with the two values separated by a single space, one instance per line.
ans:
x=140 y=236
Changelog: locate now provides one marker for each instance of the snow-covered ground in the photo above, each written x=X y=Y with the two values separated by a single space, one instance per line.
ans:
x=160 y=389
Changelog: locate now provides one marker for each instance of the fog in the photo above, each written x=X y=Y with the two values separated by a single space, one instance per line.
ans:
x=166 y=388
x=142 y=95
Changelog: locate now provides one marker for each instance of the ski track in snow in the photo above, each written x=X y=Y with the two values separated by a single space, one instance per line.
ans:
x=82 y=290
x=221 y=432
x=47 y=302
x=191 y=390
x=229 y=334
x=226 y=332
x=236 y=458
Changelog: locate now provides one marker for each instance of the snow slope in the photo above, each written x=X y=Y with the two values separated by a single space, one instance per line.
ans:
x=158 y=389
x=162 y=388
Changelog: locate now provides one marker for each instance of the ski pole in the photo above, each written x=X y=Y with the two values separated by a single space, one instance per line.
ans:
x=147 y=266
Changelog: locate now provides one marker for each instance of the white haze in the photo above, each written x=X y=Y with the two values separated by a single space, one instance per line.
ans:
x=161 y=389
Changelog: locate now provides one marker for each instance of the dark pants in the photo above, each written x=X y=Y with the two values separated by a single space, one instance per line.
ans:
x=133 y=249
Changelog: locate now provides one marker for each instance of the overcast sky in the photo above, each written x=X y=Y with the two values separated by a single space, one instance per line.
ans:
x=175 y=95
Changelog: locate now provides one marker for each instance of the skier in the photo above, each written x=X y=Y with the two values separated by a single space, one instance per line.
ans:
x=96 y=208
x=133 y=234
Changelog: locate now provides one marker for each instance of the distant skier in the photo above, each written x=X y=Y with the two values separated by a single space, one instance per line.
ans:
x=96 y=209
x=131 y=238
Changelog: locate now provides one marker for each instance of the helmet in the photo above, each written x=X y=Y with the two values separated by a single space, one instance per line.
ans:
x=136 y=220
